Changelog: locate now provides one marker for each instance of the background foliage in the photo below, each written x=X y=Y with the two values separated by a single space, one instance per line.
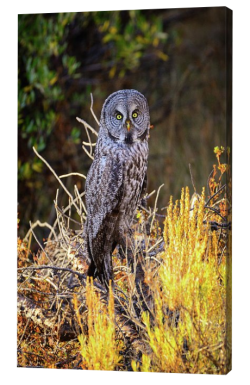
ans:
x=176 y=58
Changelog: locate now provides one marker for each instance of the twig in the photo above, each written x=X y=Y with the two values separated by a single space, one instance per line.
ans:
x=160 y=215
x=88 y=153
x=192 y=180
x=216 y=225
x=73 y=173
x=155 y=259
x=217 y=192
x=65 y=215
x=89 y=144
x=80 y=200
x=34 y=235
x=216 y=211
x=29 y=289
x=208 y=180
x=80 y=275
x=92 y=111
x=38 y=223
x=60 y=226
x=154 y=212
x=53 y=172
x=149 y=195
x=32 y=366
x=87 y=125
x=90 y=141
x=65 y=209
x=154 y=246
x=27 y=323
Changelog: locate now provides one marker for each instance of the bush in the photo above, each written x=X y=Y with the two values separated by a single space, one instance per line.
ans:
x=187 y=334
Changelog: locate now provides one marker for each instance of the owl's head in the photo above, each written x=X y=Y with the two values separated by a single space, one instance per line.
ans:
x=125 y=116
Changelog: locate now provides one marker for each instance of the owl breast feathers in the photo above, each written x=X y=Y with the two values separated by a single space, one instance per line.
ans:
x=117 y=178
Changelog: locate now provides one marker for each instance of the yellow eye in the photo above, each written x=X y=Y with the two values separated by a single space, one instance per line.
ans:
x=119 y=116
x=134 y=114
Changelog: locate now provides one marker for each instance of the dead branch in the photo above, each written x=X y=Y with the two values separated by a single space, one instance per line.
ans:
x=155 y=208
x=72 y=173
x=54 y=173
x=192 y=179
x=87 y=125
x=56 y=268
x=38 y=223
x=217 y=192
x=41 y=247
x=92 y=111
x=34 y=312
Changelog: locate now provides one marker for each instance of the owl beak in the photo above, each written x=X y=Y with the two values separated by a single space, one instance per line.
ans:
x=128 y=125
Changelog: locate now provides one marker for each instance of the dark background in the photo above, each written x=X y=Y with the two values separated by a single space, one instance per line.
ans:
x=176 y=58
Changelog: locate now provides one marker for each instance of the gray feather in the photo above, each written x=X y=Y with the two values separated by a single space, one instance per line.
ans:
x=117 y=177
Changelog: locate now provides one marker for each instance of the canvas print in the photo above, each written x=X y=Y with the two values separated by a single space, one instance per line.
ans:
x=125 y=190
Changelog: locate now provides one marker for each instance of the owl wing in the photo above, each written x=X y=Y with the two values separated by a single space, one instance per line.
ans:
x=104 y=191
x=144 y=186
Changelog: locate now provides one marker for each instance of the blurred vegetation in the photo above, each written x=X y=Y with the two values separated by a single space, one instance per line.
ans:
x=176 y=58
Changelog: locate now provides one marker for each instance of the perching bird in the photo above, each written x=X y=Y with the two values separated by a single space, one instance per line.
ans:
x=117 y=178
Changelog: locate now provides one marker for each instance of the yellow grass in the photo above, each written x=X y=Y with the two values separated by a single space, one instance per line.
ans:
x=99 y=348
x=188 y=332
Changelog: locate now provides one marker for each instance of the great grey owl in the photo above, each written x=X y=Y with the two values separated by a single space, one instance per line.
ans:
x=117 y=178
